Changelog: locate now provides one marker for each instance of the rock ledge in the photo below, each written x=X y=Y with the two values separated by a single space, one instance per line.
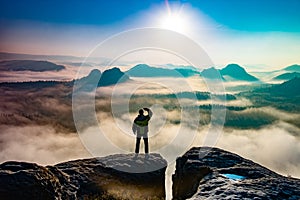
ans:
x=113 y=177
x=212 y=173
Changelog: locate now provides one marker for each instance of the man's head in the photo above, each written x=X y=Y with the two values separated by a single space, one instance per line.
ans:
x=141 y=112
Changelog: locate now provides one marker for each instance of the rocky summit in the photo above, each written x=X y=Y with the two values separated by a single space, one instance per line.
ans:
x=212 y=173
x=201 y=173
x=117 y=176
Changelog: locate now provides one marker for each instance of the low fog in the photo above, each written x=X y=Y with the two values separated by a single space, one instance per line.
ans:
x=67 y=74
x=41 y=144
x=49 y=137
x=274 y=147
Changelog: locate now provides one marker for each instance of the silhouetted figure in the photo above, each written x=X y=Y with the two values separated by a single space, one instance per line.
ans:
x=140 y=128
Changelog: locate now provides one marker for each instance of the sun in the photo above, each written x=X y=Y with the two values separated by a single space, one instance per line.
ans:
x=174 y=22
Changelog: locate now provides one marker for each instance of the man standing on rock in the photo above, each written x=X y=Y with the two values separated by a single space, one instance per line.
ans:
x=140 y=128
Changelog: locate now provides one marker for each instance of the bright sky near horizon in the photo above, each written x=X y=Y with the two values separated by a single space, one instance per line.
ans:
x=249 y=32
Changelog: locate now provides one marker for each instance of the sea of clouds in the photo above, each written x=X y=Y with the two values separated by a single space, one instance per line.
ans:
x=276 y=146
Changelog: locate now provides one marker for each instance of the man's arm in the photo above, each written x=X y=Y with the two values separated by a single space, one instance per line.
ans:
x=134 y=128
x=150 y=113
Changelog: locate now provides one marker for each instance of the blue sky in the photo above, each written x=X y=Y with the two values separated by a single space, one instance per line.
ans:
x=248 y=15
x=250 y=32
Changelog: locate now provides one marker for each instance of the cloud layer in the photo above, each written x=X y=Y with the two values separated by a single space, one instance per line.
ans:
x=37 y=126
x=40 y=144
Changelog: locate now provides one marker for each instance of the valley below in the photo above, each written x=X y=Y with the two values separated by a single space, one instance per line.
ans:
x=50 y=122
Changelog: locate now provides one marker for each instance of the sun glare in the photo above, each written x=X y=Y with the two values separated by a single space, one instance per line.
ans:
x=175 y=17
x=174 y=22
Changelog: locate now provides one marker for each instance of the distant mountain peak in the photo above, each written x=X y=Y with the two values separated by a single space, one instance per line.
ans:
x=97 y=79
x=289 y=88
x=292 y=86
x=112 y=76
x=141 y=66
x=212 y=73
x=293 y=68
x=29 y=65
x=287 y=76
x=95 y=72
x=144 y=70
x=237 y=72
x=233 y=67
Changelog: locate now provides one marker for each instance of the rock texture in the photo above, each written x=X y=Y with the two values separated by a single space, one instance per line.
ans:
x=201 y=174
x=113 y=177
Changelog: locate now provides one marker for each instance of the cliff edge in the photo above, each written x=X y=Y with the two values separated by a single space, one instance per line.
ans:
x=120 y=176
x=212 y=173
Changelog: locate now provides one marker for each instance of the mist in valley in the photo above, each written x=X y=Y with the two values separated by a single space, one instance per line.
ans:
x=38 y=124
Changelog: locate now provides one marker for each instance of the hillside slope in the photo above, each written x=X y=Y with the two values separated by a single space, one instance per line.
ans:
x=237 y=72
x=29 y=65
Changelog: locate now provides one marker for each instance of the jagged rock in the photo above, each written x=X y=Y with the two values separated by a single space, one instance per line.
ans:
x=201 y=173
x=19 y=180
x=112 y=177
x=210 y=173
